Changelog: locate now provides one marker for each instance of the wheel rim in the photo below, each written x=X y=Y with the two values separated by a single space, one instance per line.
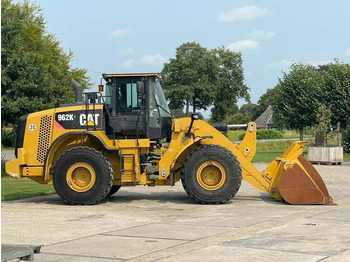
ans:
x=211 y=175
x=80 y=177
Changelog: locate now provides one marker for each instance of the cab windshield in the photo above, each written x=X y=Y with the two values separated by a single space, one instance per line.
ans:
x=157 y=99
x=158 y=107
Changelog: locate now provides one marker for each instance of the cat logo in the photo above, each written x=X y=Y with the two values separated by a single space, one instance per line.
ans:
x=90 y=120
x=79 y=119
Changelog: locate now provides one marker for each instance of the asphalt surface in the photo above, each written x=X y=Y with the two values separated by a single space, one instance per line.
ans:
x=164 y=224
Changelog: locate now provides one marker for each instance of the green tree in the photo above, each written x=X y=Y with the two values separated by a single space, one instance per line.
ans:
x=35 y=71
x=249 y=110
x=298 y=97
x=238 y=118
x=230 y=83
x=189 y=78
x=323 y=126
x=202 y=78
x=233 y=109
x=336 y=91
x=243 y=115
x=177 y=113
x=305 y=89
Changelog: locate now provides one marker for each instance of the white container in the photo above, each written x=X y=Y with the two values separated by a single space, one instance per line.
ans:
x=325 y=154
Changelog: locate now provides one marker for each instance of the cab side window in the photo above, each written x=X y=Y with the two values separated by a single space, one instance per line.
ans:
x=128 y=99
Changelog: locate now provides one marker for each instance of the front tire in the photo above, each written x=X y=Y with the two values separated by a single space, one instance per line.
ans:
x=83 y=175
x=211 y=174
x=114 y=189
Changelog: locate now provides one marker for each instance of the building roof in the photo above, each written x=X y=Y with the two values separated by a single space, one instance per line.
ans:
x=265 y=119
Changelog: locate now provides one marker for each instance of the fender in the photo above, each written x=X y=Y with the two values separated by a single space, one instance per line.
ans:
x=200 y=129
x=64 y=138
x=179 y=147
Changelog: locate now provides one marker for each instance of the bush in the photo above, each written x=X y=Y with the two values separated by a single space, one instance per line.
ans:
x=269 y=134
x=238 y=118
x=346 y=140
x=266 y=134
x=7 y=137
x=235 y=135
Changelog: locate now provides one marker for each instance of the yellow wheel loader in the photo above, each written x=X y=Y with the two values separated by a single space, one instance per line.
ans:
x=92 y=148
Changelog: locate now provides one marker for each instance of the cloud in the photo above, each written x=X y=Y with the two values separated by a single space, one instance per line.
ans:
x=252 y=43
x=243 y=13
x=129 y=63
x=125 y=52
x=146 y=60
x=153 y=60
x=244 y=45
x=262 y=35
x=121 y=32
x=347 y=51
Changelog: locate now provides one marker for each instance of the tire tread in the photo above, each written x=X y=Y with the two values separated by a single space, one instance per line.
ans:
x=100 y=195
x=186 y=166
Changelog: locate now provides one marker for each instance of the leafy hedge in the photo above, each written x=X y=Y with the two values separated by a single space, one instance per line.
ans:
x=7 y=137
x=266 y=134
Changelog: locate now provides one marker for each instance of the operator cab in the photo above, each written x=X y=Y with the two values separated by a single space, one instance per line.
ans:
x=136 y=107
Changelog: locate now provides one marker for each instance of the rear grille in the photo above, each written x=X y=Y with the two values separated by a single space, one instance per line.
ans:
x=44 y=138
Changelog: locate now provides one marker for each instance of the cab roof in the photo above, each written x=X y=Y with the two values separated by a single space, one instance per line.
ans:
x=108 y=76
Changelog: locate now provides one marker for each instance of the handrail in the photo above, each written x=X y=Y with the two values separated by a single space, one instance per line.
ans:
x=236 y=126
x=109 y=115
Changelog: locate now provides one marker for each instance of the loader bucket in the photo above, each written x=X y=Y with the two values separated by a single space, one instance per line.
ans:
x=296 y=181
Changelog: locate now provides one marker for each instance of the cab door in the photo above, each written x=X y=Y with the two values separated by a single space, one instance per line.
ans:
x=128 y=118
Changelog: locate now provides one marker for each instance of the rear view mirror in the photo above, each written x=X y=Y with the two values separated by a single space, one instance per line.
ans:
x=140 y=87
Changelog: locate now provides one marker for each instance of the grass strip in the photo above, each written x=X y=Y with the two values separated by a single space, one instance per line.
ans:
x=12 y=189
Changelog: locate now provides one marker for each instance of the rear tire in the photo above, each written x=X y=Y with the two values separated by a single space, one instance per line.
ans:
x=83 y=175
x=211 y=174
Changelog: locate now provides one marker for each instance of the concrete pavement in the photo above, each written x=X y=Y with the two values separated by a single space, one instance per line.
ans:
x=163 y=224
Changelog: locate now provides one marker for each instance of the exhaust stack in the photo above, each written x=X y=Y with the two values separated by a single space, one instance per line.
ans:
x=78 y=91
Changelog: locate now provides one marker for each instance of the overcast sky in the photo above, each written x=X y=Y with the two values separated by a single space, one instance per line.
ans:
x=128 y=36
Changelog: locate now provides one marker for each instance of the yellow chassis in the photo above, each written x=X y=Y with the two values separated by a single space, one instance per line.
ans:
x=129 y=151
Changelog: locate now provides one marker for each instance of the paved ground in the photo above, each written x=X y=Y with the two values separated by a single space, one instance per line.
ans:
x=163 y=224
